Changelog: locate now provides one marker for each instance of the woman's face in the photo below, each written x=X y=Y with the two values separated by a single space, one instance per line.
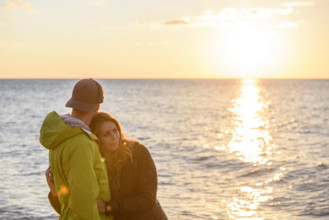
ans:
x=109 y=136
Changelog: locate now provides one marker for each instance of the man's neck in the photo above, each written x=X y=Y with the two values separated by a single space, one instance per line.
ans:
x=85 y=117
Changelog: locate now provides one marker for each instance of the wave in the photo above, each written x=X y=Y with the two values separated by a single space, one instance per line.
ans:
x=258 y=172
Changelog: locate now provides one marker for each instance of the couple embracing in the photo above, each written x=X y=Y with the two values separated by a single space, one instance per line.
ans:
x=95 y=171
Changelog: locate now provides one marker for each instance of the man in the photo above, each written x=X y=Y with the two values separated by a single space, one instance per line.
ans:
x=78 y=170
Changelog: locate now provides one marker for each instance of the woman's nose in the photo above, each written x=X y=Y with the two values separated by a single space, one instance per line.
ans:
x=112 y=135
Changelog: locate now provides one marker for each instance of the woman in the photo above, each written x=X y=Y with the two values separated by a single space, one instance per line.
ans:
x=131 y=172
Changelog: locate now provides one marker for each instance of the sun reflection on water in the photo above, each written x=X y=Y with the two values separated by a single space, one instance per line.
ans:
x=250 y=143
x=247 y=207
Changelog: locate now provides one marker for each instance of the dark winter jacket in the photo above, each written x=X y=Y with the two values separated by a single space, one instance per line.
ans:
x=137 y=197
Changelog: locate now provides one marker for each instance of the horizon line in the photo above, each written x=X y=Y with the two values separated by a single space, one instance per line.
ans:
x=180 y=78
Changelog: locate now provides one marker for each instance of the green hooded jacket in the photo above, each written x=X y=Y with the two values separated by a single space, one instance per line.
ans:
x=78 y=169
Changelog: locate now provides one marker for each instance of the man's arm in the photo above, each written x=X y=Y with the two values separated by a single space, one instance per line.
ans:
x=82 y=180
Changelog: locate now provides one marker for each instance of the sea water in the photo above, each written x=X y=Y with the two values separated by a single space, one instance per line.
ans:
x=224 y=149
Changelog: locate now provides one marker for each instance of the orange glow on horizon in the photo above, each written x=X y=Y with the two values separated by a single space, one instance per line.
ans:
x=232 y=39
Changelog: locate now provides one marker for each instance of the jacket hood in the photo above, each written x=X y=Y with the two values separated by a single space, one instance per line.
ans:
x=55 y=131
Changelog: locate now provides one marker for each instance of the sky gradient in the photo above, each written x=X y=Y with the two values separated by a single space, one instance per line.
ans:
x=164 y=39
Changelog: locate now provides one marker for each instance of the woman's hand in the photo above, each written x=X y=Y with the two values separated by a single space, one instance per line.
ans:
x=101 y=206
x=50 y=181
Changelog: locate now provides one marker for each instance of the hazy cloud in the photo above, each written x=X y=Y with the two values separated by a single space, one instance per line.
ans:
x=17 y=4
x=290 y=24
x=140 y=23
x=175 y=23
x=295 y=4
x=265 y=12
x=227 y=17
x=2 y=24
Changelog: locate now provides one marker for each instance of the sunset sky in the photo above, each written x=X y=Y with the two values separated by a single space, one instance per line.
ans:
x=164 y=39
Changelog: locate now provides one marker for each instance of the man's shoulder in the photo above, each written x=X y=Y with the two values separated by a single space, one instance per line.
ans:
x=78 y=141
x=76 y=148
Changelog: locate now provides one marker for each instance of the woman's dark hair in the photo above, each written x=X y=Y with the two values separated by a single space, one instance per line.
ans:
x=121 y=156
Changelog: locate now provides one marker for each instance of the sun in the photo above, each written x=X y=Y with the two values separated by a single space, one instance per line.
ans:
x=248 y=46
x=248 y=51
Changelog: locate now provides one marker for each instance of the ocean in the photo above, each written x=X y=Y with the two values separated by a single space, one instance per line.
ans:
x=223 y=148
